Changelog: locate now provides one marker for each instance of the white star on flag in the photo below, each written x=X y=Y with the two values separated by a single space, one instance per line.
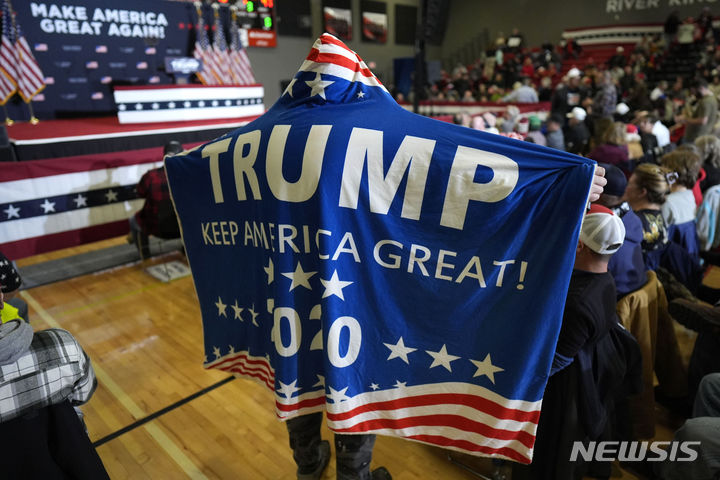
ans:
x=290 y=86
x=288 y=390
x=12 y=212
x=171 y=105
x=486 y=368
x=442 y=358
x=111 y=196
x=399 y=384
x=48 y=206
x=338 y=396
x=216 y=352
x=320 y=382
x=334 y=286
x=361 y=94
x=374 y=386
x=238 y=310
x=138 y=106
x=318 y=85
x=299 y=278
x=399 y=350
x=231 y=350
x=254 y=315
x=221 y=307
x=270 y=271
x=80 y=201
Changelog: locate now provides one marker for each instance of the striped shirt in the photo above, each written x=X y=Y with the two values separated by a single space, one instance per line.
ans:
x=55 y=368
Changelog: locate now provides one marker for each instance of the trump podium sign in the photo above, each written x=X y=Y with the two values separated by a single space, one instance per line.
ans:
x=405 y=275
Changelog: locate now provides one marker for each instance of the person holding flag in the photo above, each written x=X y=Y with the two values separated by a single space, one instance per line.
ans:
x=377 y=265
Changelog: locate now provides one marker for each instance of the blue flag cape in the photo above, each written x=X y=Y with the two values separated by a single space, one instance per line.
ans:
x=405 y=275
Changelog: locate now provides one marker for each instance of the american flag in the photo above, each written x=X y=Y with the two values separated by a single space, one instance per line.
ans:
x=8 y=58
x=204 y=52
x=30 y=77
x=222 y=56
x=239 y=62
x=405 y=275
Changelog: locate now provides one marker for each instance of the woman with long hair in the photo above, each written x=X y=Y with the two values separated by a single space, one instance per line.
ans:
x=646 y=192
x=613 y=149
x=709 y=152
x=680 y=206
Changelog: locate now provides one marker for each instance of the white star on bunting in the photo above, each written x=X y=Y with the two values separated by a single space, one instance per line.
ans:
x=216 y=352
x=299 y=277
x=270 y=271
x=290 y=86
x=48 y=206
x=318 y=85
x=399 y=384
x=334 y=286
x=288 y=390
x=374 y=386
x=361 y=94
x=111 y=196
x=399 y=350
x=442 y=358
x=338 y=396
x=486 y=368
x=12 y=212
x=221 y=307
x=80 y=201
x=238 y=310
x=231 y=350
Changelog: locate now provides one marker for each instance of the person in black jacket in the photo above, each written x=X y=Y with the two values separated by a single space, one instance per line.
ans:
x=585 y=374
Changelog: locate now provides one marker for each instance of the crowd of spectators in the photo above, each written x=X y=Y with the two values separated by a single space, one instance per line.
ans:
x=655 y=133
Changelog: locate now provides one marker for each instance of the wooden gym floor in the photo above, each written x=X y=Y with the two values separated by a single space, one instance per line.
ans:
x=159 y=415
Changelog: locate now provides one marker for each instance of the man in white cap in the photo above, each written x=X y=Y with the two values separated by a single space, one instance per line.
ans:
x=568 y=94
x=576 y=132
x=572 y=391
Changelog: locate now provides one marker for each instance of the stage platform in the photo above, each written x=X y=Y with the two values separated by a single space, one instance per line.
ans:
x=74 y=181
x=84 y=136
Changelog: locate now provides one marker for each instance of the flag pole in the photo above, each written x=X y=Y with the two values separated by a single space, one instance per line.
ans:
x=33 y=119
x=8 y=121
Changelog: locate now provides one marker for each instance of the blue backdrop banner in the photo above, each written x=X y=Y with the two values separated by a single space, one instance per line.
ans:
x=87 y=47
x=407 y=276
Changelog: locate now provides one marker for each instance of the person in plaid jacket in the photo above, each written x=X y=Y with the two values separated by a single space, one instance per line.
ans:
x=157 y=217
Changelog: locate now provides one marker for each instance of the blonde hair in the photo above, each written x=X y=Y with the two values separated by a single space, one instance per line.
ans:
x=709 y=149
x=654 y=180
x=615 y=134
x=685 y=163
